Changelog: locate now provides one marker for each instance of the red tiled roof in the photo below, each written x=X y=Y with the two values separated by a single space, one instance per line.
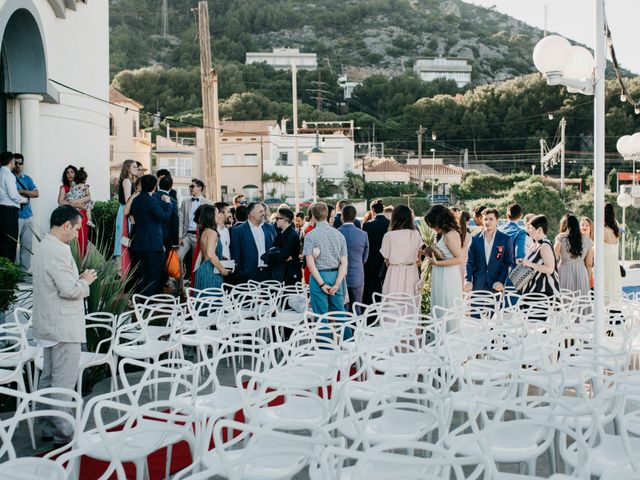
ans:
x=116 y=96
x=240 y=128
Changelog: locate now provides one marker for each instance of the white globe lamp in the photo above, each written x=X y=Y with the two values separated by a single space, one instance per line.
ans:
x=624 y=200
x=581 y=65
x=552 y=54
x=634 y=144
x=624 y=146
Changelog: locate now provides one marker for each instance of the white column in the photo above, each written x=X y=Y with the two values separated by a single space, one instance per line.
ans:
x=598 y=171
x=30 y=133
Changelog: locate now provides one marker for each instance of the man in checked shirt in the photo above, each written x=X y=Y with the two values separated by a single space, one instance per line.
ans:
x=325 y=250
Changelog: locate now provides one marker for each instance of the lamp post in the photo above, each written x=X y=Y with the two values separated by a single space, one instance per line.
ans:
x=624 y=200
x=433 y=168
x=314 y=154
x=575 y=68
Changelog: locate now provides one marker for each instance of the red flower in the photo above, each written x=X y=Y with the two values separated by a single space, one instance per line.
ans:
x=500 y=249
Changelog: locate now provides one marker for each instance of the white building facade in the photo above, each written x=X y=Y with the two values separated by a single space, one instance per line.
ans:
x=284 y=58
x=126 y=139
x=338 y=158
x=47 y=46
x=451 y=68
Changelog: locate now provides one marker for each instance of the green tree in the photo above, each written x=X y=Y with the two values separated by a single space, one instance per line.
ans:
x=353 y=184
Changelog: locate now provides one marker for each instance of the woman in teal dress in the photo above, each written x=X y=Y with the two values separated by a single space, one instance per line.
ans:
x=210 y=272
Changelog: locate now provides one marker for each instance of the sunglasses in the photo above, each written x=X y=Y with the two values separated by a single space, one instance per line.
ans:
x=19 y=162
x=191 y=186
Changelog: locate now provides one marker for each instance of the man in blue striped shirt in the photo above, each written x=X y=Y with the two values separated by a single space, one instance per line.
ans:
x=26 y=188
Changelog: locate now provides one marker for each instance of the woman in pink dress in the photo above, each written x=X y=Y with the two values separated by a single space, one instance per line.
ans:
x=401 y=249
x=77 y=201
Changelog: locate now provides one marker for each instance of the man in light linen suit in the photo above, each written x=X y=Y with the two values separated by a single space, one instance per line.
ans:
x=58 y=310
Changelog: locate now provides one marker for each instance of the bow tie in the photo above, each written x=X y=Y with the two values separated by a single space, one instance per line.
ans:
x=195 y=199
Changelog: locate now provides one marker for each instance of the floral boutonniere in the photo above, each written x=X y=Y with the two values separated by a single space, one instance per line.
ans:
x=500 y=249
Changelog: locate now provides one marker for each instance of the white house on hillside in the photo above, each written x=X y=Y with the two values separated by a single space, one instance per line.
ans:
x=338 y=158
x=47 y=44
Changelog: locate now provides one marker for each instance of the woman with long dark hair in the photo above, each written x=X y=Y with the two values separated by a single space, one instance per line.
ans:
x=210 y=272
x=575 y=256
x=586 y=227
x=463 y=218
x=446 y=284
x=126 y=188
x=612 y=277
x=401 y=247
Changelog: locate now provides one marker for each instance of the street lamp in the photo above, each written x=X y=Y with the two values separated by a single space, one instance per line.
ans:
x=314 y=154
x=629 y=147
x=575 y=68
x=433 y=168
x=624 y=201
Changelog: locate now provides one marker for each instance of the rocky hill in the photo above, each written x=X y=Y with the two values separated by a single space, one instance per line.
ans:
x=381 y=35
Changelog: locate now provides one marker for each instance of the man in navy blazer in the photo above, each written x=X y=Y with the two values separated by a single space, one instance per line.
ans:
x=147 y=248
x=373 y=273
x=490 y=256
x=249 y=242
x=357 y=254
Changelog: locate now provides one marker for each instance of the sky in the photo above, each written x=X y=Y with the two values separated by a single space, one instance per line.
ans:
x=574 y=19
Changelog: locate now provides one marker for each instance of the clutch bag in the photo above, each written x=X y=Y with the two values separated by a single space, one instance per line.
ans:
x=520 y=276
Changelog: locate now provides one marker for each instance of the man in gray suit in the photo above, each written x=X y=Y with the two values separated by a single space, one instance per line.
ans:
x=187 y=223
x=58 y=310
x=357 y=252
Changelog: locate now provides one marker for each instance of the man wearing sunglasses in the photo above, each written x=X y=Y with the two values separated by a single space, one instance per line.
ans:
x=26 y=188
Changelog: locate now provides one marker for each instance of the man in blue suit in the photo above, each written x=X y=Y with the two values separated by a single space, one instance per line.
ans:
x=249 y=242
x=357 y=253
x=170 y=229
x=147 y=248
x=490 y=256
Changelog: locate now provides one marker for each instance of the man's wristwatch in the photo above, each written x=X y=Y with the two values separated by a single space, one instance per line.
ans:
x=323 y=284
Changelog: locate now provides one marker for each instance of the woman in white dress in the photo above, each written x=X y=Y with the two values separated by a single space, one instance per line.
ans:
x=612 y=277
x=446 y=285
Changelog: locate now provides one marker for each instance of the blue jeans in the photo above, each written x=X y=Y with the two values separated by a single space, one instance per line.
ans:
x=322 y=303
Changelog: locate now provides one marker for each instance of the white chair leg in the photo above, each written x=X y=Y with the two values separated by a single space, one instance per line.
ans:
x=141 y=469
x=531 y=467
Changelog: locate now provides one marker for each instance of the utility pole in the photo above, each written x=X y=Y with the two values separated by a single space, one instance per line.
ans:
x=563 y=125
x=319 y=94
x=296 y=160
x=420 y=135
x=209 y=81
x=165 y=18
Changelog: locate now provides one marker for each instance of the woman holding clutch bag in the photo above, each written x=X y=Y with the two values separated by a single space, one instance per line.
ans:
x=210 y=272
x=541 y=258
x=401 y=249
x=446 y=258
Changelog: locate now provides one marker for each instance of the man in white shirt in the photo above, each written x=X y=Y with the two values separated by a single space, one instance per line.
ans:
x=223 y=229
x=10 y=201
x=250 y=241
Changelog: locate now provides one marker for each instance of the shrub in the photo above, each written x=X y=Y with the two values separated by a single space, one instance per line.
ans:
x=419 y=205
x=10 y=275
x=374 y=190
x=475 y=185
x=104 y=217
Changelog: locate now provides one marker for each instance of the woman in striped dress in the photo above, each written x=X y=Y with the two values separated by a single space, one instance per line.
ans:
x=541 y=258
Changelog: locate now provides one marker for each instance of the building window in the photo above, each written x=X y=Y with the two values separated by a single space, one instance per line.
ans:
x=283 y=159
x=228 y=159
x=224 y=190
x=135 y=128
x=250 y=159
x=179 y=167
x=112 y=125
x=111 y=153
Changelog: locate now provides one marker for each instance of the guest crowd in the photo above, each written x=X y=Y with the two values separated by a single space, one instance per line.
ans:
x=347 y=262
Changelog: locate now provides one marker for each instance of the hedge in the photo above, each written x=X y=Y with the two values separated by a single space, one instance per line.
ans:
x=104 y=216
